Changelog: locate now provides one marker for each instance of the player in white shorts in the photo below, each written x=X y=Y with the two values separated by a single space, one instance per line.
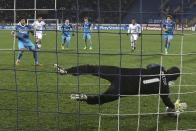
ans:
x=134 y=30
x=39 y=27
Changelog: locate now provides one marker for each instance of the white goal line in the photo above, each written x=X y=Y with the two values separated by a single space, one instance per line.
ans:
x=141 y=114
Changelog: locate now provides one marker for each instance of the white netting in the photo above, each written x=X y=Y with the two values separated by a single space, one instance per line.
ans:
x=76 y=110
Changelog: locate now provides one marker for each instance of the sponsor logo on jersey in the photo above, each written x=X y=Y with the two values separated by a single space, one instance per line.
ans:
x=149 y=81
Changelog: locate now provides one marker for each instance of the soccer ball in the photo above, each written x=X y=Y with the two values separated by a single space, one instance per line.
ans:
x=39 y=46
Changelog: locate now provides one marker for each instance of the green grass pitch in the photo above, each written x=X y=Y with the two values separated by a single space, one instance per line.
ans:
x=40 y=100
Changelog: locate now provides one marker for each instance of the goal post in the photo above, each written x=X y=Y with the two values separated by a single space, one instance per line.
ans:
x=51 y=24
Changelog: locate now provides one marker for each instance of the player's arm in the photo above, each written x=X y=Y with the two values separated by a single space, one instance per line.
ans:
x=91 y=27
x=72 y=30
x=174 y=27
x=14 y=33
x=139 y=29
x=167 y=101
x=164 y=27
x=61 y=29
x=31 y=29
x=44 y=28
x=129 y=30
x=33 y=26
x=170 y=107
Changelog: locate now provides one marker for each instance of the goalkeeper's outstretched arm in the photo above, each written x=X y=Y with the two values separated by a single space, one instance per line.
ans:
x=167 y=101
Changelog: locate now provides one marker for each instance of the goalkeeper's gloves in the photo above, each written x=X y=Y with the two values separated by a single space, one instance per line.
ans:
x=180 y=106
x=59 y=69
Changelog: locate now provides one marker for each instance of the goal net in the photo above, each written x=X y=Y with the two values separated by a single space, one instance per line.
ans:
x=39 y=98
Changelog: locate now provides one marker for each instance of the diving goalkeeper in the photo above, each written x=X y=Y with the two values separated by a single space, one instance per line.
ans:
x=153 y=79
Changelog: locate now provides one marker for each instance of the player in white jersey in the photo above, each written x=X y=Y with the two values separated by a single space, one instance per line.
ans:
x=39 y=27
x=134 y=30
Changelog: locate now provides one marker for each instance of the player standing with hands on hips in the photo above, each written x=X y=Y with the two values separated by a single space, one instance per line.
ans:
x=66 y=29
x=134 y=30
x=87 y=27
x=168 y=27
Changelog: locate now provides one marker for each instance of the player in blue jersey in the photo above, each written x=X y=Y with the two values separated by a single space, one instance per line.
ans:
x=168 y=29
x=24 y=43
x=87 y=33
x=66 y=29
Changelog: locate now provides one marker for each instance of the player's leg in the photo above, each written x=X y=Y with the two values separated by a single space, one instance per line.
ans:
x=109 y=95
x=38 y=40
x=21 y=49
x=85 y=41
x=165 y=37
x=135 y=37
x=33 y=48
x=89 y=39
x=68 y=41
x=132 y=41
x=63 y=42
x=170 y=37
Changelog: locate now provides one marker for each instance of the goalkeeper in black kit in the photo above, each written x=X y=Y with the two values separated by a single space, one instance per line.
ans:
x=154 y=79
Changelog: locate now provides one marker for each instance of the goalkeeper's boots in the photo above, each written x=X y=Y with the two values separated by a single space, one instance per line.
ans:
x=17 y=62
x=78 y=97
x=59 y=69
x=85 y=48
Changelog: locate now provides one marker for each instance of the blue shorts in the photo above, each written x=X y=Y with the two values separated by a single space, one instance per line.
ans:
x=65 y=38
x=167 y=37
x=26 y=44
x=87 y=36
